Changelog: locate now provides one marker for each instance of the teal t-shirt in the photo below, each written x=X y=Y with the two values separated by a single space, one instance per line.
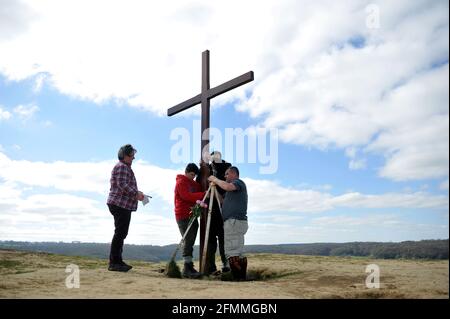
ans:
x=235 y=202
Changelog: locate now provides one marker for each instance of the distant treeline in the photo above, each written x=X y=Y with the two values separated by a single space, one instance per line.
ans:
x=99 y=250
x=425 y=249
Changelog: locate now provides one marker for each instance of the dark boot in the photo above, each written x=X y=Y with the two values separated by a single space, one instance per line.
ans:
x=118 y=267
x=235 y=267
x=190 y=272
x=225 y=263
x=126 y=265
x=243 y=273
x=211 y=269
x=210 y=266
x=225 y=266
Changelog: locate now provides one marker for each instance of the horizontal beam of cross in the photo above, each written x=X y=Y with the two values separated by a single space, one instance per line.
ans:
x=211 y=93
x=184 y=105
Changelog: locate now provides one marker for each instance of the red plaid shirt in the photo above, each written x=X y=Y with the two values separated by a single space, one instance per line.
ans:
x=123 y=187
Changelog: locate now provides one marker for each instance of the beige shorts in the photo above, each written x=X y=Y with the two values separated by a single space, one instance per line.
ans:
x=234 y=231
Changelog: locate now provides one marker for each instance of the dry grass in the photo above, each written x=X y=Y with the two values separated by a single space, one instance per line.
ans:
x=40 y=275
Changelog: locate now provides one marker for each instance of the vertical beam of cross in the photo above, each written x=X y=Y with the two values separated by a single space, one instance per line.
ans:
x=204 y=169
x=205 y=102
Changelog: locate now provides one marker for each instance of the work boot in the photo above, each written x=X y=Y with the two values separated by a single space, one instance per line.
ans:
x=243 y=263
x=235 y=267
x=190 y=272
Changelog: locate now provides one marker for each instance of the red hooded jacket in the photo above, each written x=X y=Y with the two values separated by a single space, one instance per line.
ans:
x=187 y=192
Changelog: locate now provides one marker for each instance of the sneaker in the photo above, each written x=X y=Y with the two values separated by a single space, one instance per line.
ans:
x=118 y=267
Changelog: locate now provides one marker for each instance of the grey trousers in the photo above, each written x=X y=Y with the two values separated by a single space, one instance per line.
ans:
x=235 y=230
x=189 y=241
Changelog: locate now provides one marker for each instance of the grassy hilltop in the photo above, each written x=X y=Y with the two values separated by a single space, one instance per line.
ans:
x=42 y=275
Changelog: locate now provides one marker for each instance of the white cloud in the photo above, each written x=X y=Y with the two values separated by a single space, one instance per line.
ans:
x=382 y=223
x=322 y=77
x=444 y=185
x=15 y=17
x=4 y=115
x=85 y=176
x=269 y=196
x=264 y=195
x=64 y=217
x=356 y=221
x=90 y=177
x=9 y=191
x=415 y=135
x=342 y=97
x=390 y=200
x=278 y=218
x=355 y=163
x=324 y=187
x=26 y=111
x=60 y=201
x=143 y=52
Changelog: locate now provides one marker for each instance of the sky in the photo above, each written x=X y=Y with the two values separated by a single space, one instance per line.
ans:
x=342 y=136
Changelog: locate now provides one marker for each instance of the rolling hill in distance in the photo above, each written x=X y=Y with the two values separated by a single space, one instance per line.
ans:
x=425 y=249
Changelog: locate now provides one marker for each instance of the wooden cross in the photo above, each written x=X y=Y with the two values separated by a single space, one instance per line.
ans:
x=203 y=98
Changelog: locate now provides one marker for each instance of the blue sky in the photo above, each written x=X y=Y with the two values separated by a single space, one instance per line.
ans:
x=360 y=107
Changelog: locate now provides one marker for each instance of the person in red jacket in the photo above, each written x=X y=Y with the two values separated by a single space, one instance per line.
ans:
x=187 y=192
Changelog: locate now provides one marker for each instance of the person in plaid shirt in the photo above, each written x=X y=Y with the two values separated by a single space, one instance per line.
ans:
x=122 y=200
